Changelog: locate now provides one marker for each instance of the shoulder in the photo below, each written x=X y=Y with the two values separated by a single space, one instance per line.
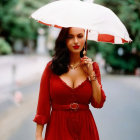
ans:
x=48 y=66
x=49 y=63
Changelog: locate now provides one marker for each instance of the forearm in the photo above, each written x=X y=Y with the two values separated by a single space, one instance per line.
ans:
x=96 y=91
x=39 y=130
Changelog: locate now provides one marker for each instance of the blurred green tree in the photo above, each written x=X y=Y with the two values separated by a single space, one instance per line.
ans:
x=5 y=48
x=15 y=22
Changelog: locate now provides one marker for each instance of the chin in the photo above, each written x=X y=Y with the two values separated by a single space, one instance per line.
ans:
x=76 y=52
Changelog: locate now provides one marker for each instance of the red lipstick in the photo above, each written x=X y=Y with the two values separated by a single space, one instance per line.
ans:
x=76 y=47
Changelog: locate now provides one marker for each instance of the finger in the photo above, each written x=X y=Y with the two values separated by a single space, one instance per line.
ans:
x=90 y=59
x=87 y=61
x=84 y=57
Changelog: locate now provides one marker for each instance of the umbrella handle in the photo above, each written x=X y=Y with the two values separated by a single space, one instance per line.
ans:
x=85 y=47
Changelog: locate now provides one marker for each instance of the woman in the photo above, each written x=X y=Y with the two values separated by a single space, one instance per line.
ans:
x=68 y=84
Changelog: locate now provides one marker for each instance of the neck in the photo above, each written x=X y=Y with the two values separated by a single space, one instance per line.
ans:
x=74 y=58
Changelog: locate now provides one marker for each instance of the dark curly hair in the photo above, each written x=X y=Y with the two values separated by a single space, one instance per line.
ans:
x=61 y=57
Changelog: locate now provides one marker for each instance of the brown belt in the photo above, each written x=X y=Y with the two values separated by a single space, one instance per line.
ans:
x=72 y=106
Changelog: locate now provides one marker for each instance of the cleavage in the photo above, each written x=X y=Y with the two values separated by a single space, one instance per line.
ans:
x=73 y=80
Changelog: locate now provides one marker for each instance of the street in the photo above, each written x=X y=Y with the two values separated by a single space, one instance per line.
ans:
x=119 y=119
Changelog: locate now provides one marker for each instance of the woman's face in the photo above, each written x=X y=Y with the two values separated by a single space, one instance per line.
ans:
x=75 y=40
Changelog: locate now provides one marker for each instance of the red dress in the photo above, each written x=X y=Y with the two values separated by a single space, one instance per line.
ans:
x=61 y=124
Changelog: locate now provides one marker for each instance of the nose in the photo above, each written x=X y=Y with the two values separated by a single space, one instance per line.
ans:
x=75 y=40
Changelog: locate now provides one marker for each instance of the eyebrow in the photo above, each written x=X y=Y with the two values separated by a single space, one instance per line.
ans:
x=77 y=34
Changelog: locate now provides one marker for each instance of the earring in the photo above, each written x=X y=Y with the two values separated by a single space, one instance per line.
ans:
x=84 y=52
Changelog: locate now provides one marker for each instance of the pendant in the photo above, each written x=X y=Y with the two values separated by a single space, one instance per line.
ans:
x=84 y=52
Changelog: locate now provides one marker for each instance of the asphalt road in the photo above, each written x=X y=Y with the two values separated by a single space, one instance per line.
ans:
x=119 y=119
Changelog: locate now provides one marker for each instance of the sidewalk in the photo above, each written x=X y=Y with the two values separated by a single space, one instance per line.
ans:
x=129 y=80
x=14 y=116
x=17 y=71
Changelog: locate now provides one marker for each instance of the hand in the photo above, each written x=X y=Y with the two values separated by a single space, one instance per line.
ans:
x=87 y=66
x=39 y=138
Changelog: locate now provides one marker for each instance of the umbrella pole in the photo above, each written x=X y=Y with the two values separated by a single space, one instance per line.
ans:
x=85 y=50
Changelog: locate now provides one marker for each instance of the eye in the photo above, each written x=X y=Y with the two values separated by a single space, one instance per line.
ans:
x=80 y=36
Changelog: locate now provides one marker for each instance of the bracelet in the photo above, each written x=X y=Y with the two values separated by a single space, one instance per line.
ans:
x=93 y=77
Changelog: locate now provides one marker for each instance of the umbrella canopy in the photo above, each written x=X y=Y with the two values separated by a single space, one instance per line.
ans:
x=101 y=23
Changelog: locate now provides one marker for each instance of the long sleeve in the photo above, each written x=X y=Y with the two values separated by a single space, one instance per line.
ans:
x=103 y=96
x=44 y=104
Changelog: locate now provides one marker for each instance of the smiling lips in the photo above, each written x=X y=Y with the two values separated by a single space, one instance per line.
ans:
x=76 y=47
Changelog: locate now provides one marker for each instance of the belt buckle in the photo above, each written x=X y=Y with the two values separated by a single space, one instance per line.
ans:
x=74 y=106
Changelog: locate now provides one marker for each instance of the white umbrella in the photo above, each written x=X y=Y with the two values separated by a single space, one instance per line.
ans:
x=100 y=22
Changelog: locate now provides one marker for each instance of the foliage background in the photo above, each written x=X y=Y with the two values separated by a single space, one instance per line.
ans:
x=15 y=24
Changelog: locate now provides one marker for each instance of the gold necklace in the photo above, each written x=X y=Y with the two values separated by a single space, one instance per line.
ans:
x=73 y=66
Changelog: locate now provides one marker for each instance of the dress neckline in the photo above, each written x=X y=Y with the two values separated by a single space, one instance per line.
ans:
x=65 y=84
